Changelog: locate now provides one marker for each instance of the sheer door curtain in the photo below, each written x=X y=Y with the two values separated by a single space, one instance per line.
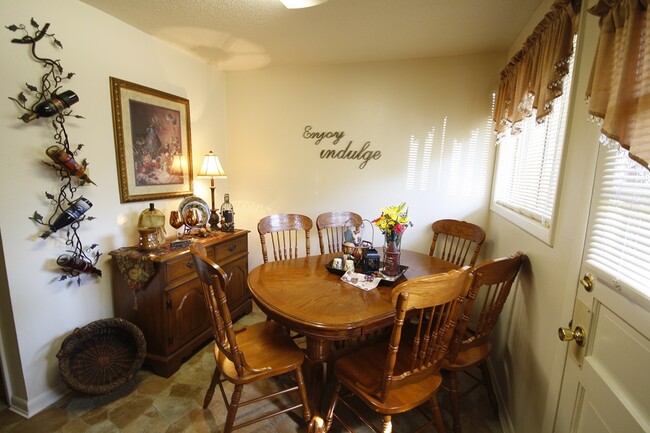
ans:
x=619 y=85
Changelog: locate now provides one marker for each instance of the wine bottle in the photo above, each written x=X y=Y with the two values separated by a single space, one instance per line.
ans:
x=227 y=215
x=76 y=265
x=59 y=155
x=50 y=107
x=76 y=209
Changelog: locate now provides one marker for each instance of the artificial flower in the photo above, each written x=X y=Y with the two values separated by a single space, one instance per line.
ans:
x=393 y=220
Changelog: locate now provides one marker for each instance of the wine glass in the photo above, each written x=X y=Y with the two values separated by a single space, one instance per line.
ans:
x=176 y=220
x=191 y=218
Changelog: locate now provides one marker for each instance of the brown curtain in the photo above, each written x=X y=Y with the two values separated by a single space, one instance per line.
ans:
x=534 y=76
x=619 y=85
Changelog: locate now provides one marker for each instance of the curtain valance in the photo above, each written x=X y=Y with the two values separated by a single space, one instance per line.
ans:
x=533 y=77
x=619 y=85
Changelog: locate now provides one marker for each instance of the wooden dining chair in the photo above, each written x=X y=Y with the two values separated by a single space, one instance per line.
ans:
x=395 y=376
x=260 y=351
x=458 y=242
x=470 y=347
x=286 y=233
x=331 y=228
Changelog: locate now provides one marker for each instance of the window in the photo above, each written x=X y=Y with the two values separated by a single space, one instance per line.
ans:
x=528 y=169
x=619 y=235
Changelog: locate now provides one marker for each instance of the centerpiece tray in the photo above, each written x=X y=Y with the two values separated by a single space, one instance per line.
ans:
x=385 y=279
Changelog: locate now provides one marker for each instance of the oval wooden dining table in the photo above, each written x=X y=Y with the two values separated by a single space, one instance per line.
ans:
x=302 y=295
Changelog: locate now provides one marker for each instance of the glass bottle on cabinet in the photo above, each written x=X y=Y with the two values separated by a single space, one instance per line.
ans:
x=227 y=215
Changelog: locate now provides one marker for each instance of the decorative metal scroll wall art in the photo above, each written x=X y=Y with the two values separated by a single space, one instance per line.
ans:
x=364 y=154
x=69 y=207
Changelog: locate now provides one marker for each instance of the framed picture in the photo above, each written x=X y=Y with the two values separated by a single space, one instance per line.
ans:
x=152 y=142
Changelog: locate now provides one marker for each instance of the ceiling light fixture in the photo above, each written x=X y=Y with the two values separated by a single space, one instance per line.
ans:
x=298 y=4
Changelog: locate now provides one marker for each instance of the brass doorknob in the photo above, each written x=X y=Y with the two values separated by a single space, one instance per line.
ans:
x=588 y=282
x=578 y=334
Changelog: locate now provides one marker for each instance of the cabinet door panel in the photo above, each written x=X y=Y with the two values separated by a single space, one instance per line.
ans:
x=237 y=289
x=188 y=315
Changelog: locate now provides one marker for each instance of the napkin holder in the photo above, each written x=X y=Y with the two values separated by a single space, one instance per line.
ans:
x=371 y=261
x=180 y=243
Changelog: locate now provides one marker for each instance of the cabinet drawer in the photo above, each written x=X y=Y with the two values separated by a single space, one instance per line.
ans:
x=180 y=267
x=227 y=249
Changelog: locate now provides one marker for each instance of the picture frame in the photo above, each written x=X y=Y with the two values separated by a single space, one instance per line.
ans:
x=153 y=143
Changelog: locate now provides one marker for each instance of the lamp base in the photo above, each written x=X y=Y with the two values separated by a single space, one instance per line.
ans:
x=214 y=219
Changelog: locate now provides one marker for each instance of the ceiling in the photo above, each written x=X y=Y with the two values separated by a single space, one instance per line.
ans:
x=250 y=34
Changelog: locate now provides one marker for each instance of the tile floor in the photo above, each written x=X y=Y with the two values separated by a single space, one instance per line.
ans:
x=174 y=405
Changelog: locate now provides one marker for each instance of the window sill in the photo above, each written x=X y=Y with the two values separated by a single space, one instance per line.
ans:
x=529 y=225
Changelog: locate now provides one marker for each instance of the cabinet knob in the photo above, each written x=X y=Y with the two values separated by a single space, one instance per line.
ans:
x=190 y=264
x=232 y=248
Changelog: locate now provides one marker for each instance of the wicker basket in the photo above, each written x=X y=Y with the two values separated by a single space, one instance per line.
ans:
x=101 y=356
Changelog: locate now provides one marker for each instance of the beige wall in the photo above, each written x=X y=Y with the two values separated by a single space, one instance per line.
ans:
x=96 y=46
x=393 y=106
x=528 y=358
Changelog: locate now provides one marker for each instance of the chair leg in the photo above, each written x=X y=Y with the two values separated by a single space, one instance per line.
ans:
x=455 y=407
x=330 y=412
x=232 y=408
x=303 y=394
x=437 y=415
x=488 y=383
x=317 y=425
x=387 y=425
x=213 y=383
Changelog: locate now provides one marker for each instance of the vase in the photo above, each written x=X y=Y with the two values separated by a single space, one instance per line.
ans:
x=392 y=250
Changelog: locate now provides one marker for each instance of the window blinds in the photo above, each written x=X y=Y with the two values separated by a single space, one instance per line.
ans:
x=619 y=238
x=528 y=163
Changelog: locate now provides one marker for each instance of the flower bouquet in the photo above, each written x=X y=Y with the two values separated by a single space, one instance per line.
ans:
x=393 y=222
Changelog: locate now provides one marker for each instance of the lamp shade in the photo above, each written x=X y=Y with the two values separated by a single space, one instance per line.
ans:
x=211 y=167
x=178 y=165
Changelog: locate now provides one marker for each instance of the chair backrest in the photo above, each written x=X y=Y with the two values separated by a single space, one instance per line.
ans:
x=492 y=281
x=437 y=300
x=331 y=228
x=284 y=230
x=458 y=242
x=214 y=282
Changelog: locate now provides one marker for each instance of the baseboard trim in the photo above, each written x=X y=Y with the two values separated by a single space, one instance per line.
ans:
x=504 y=413
x=29 y=408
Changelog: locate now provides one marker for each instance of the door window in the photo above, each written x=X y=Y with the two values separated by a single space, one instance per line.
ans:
x=618 y=243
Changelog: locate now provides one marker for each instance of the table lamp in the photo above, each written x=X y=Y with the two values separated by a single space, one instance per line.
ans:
x=212 y=168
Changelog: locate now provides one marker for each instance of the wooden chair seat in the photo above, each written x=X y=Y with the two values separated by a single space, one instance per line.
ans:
x=362 y=373
x=266 y=346
x=286 y=234
x=468 y=358
x=402 y=372
x=261 y=351
x=470 y=347
x=458 y=242
x=331 y=228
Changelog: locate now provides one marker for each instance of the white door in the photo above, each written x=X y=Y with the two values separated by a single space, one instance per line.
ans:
x=606 y=382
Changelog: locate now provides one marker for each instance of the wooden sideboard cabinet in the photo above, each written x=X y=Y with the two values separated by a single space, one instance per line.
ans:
x=170 y=309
